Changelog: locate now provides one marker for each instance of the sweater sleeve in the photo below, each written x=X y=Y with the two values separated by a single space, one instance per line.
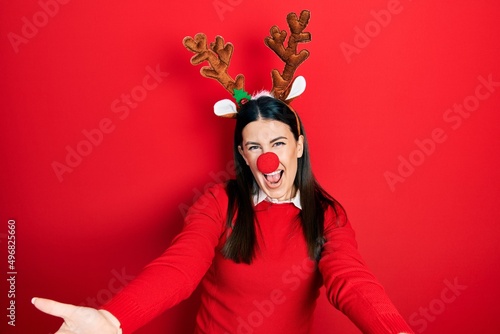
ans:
x=350 y=285
x=174 y=275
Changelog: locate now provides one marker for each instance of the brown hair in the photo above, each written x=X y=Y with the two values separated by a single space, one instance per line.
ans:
x=315 y=200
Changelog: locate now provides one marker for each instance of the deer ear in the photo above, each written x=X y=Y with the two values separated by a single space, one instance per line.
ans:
x=225 y=108
x=298 y=87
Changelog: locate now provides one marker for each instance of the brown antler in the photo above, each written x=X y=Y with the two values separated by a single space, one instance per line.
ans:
x=292 y=59
x=218 y=56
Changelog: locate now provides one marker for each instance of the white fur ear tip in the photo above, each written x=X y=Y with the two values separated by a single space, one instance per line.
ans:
x=298 y=87
x=225 y=107
x=301 y=79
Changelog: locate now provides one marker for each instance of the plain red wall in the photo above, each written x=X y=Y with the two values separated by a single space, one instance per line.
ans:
x=420 y=181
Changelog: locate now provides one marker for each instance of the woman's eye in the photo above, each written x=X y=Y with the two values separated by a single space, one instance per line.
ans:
x=253 y=148
x=279 y=143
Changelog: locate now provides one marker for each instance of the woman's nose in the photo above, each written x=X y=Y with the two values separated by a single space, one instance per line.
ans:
x=268 y=162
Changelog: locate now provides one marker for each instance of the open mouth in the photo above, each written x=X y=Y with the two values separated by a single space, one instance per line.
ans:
x=274 y=177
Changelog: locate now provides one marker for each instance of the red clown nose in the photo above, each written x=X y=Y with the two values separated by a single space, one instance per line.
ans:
x=268 y=162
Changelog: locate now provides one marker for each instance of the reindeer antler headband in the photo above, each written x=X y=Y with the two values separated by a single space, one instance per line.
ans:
x=218 y=55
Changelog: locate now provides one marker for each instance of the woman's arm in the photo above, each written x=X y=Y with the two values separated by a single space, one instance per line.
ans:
x=165 y=281
x=174 y=275
x=351 y=286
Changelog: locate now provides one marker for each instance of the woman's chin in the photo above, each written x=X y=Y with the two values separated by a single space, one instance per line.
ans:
x=278 y=193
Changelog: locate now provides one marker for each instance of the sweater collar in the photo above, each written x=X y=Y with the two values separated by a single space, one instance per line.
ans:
x=261 y=196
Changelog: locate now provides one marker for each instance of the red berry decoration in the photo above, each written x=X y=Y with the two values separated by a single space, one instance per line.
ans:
x=268 y=162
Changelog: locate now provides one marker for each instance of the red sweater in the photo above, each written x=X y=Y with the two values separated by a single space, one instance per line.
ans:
x=276 y=293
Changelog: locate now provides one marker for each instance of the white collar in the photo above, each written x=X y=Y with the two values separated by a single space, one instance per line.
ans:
x=261 y=196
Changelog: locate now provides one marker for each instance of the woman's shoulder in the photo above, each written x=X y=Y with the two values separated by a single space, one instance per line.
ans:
x=217 y=189
x=335 y=215
x=214 y=196
x=211 y=205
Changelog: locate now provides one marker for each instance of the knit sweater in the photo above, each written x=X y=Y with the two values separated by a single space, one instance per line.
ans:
x=276 y=293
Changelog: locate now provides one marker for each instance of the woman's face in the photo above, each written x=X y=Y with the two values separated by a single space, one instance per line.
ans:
x=263 y=136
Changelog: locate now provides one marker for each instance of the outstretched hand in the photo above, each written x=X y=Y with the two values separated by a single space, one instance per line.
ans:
x=79 y=319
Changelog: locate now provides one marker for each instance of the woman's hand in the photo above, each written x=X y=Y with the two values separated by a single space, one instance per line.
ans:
x=79 y=319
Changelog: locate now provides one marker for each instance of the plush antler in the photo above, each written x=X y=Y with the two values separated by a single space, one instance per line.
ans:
x=218 y=55
x=292 y=59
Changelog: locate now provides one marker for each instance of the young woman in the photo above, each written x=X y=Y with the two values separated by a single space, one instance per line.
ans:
x=261 y=246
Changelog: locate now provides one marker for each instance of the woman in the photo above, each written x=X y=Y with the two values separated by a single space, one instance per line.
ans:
x=261 y=246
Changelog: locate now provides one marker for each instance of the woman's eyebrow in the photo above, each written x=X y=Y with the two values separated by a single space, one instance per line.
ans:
x=251 y=143
x=278 y=138
x=272 y=141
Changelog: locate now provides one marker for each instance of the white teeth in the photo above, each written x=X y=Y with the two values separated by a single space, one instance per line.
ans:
x=274 y=173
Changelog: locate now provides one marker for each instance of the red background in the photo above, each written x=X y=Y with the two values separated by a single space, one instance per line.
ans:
x=122 y=203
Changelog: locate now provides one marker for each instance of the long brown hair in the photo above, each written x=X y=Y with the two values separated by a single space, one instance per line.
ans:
x=314 y=199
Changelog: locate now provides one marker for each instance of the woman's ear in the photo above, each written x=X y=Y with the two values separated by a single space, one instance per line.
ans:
x=300 y=146
x=243 y=155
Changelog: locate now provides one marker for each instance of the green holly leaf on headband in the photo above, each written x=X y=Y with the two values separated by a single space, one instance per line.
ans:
x=240 y=94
